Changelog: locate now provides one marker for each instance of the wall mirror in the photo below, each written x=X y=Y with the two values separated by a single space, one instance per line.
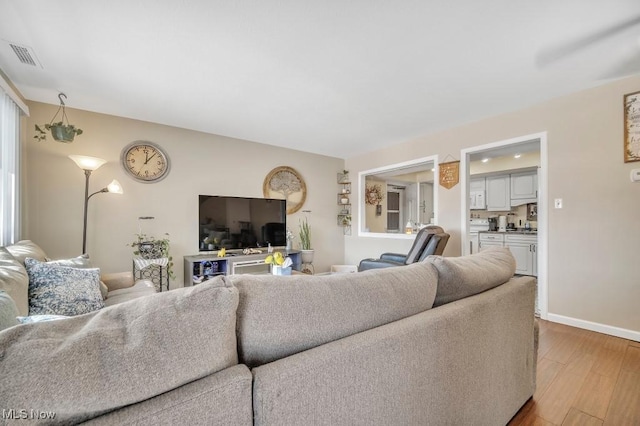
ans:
x=395 y=201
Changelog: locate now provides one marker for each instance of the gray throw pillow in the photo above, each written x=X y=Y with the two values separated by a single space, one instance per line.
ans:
x=8 y=311
x=62 y=290
x=83 y=262
x=460 y=277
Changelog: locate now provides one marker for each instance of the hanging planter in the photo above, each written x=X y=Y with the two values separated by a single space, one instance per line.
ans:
x=61 y=131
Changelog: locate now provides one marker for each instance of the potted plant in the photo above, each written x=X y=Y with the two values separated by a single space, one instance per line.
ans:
x=61 y=131
x=305 y=242
x=148 y=247
x=343 y=177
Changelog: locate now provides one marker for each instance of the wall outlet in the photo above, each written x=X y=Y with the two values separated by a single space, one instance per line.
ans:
x=635 y=175
x=557 y=203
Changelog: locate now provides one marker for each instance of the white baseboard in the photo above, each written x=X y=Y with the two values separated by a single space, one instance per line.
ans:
x=597 y=327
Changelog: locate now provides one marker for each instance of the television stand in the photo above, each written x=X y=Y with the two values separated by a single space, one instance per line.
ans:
x=201 y=267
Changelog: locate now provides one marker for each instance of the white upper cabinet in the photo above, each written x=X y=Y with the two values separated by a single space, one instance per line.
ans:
x=498 y=193
x=477 y=184
x=524 y=186
x=477 y=194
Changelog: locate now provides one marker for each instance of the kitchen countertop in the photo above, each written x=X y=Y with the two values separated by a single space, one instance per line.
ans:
x=518 y=231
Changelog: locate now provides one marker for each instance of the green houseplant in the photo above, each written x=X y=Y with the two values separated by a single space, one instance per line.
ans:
x=61 y=131
x=148 y=247
x=305 y=242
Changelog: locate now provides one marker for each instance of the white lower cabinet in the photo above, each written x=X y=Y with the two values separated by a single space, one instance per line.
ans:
x=523 y=247
x=491 y=240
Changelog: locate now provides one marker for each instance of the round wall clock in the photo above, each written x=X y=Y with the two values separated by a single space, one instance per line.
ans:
x=145 y=161
x=286 y=183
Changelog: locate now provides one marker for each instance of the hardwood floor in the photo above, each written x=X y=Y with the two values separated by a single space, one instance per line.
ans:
x=583 y=378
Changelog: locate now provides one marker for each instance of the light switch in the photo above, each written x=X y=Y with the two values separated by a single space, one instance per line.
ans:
x=557 y=203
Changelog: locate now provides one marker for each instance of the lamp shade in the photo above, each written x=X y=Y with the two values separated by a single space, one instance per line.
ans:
x=87 y=163
x=114 y=187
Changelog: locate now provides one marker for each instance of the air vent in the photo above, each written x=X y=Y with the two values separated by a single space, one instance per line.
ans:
x=24 y=54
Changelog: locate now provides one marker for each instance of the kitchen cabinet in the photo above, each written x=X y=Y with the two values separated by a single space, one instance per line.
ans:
x=477 y=184
x=477 y=199
x=524 y=249
x=524 y=186
x=498 y=193
x=491 y=240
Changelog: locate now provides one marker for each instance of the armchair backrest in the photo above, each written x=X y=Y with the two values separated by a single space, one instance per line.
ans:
x=435 y=246
x=421 y=242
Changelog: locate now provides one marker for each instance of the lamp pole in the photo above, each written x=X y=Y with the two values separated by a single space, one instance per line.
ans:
x=89 y=164
x=87 y=173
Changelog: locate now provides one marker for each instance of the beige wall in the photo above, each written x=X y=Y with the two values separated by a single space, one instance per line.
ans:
x=593 y=240
x=200 y=164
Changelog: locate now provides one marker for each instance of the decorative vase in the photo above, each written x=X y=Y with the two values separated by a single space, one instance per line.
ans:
x=344 y=200
x=279 y=270
x=307 y=255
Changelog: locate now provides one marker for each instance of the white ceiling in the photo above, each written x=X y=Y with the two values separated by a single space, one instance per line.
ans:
x=338 y=78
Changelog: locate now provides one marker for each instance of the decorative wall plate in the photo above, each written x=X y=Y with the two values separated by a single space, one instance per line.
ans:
x=286 y=183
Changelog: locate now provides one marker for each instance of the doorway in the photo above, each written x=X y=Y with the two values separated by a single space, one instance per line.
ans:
x=505 y=148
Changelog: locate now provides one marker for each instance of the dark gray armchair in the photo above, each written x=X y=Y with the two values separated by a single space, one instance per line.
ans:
x=429 y=240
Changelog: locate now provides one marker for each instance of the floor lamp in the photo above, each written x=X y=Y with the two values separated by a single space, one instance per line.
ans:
x=89 y=164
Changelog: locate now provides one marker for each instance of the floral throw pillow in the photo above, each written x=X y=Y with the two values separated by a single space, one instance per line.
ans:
x=62 y=290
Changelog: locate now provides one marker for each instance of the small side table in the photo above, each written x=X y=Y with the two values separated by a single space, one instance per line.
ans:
x=155 y=270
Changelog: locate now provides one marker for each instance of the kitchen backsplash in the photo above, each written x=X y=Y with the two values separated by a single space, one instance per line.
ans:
x=520 y=217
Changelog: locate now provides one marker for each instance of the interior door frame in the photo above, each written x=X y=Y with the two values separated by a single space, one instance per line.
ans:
x=543 y=209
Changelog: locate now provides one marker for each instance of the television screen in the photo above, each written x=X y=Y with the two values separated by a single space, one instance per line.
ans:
x=237 y=222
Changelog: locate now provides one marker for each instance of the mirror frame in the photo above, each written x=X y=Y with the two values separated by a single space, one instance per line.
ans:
x=398 y=166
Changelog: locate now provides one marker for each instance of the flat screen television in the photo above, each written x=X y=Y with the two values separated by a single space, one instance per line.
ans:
x=240 y=222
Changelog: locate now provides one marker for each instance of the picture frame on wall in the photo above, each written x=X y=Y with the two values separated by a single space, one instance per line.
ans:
x=631 y=127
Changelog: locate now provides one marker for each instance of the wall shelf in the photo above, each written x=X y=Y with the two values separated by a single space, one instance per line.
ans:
x=344 y=202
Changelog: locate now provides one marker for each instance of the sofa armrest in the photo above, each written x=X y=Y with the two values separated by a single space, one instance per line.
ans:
x=394 y=257
x=118 y=280
x=366 y=264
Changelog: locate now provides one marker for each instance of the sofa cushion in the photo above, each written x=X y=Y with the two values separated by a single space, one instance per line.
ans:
x=8 y=311
x=62 y=290
x=27 y=248
x=82 y=262
x=140 y=289
x=460 y=277
x=282 y=315
x=84 y=366
x=14 y=280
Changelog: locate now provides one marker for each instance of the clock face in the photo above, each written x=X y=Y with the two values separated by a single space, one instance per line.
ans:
x=145 y=161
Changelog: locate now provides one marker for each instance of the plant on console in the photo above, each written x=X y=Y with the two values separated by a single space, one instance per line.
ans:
x=305 y=235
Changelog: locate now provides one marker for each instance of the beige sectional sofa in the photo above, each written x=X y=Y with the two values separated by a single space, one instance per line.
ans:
x=445 y=341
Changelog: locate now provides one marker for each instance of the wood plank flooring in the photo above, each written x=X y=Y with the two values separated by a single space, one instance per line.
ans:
x=583 y=378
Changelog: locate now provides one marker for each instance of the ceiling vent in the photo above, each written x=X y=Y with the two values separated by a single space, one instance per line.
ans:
x=25 y=54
